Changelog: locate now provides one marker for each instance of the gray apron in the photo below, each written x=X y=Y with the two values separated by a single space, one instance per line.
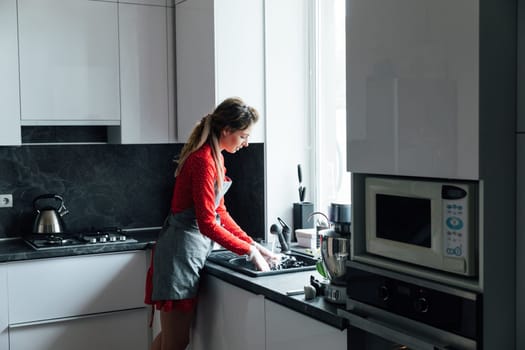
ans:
x=180 y=254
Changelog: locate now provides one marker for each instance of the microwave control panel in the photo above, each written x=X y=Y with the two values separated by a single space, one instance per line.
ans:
x=455 y=222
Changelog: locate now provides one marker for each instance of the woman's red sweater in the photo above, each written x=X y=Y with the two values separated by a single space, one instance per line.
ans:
x=195 y=188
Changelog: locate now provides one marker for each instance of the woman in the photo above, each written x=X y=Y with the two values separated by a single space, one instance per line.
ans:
x=198 y=217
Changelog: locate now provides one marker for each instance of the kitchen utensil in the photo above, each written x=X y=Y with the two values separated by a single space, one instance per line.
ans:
x=306 y=237
x=309 y=292
x=335 y=249
x=49 y=218
x=318 y=286
x=302 y=189
x=341 y=217
x=340 y=212
x=295 y=292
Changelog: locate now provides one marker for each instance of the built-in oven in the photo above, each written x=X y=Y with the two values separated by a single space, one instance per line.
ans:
x=389 y=310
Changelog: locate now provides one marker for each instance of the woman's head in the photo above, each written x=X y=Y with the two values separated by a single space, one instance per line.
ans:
x=232 y=114
x=231 y=123
x=226 y=128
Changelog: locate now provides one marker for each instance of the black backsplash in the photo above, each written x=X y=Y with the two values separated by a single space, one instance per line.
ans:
x=129 y=186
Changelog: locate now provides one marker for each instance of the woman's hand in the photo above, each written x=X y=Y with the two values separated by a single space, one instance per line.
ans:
x=258 y=260
x=271 y=258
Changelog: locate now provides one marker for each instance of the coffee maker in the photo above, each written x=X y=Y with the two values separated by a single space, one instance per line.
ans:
x=335 y=251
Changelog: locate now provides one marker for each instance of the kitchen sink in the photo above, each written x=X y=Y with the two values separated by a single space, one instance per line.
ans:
x=292 y=262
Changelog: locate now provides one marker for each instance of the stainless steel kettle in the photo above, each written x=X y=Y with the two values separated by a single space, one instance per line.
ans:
x=49 y=219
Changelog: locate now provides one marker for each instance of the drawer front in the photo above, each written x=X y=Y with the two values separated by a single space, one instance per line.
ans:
x=65 y=287
x=108 y=331
x=4 y=335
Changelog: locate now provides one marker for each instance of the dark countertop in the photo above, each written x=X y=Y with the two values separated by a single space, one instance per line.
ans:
x=272 y=287
x=15 y=249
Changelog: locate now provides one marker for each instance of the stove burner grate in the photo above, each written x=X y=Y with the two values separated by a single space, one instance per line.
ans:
x=103 y=236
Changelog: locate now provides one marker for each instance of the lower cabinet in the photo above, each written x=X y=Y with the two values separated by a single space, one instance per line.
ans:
x=78 y=302
x=289 y=329
x=104 y=331
x=228 y=318
x=4 y=335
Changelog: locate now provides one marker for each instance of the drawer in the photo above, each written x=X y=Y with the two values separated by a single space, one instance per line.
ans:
x=107 y=331
x=70 y=286
x=4 y=334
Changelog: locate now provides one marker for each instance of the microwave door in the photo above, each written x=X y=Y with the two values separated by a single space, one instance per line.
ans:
x=403 y=219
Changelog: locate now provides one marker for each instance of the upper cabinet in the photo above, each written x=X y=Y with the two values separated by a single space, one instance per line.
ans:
x=146 y=74
x=86 y=62
x=425 y=90
x=219 y=54
x=69 y=62
x=9 y=84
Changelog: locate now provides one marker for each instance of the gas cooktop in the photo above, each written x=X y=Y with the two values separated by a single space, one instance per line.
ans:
x=105 y=236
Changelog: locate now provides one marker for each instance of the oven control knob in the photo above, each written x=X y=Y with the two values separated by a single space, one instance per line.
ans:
x=384 y=293
x=103 y=239
x=421 y=305
x=92 y=239
x=122 y=238
x=112 y=238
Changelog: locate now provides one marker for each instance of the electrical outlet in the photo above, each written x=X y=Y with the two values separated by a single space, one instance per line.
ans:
x=6 y=200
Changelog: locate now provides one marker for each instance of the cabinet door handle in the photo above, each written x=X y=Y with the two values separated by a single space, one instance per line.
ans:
x=67 y=319
x=391 y=333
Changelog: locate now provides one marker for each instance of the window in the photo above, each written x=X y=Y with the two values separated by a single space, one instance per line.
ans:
x=305 y=115
x=327 y=64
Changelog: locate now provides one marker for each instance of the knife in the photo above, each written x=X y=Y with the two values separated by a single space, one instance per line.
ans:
x=301 y=189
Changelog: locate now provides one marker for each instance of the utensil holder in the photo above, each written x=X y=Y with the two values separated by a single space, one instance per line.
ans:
x=301 y=212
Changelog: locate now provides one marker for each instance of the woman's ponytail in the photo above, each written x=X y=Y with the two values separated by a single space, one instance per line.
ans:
x=199 y=135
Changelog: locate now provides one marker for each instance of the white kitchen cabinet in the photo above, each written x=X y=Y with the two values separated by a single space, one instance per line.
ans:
x=426 y=96
x=219 y=54
x=228 y=318
x=106 y=331
x=147 y=75
x=289 y=329
x=93 y=300
x=4 y=309
x=424 y=90
x=9 y=84
x=69 y=62
x=412 y=87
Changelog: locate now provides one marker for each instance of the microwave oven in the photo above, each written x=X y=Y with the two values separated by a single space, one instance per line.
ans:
x=427 y=223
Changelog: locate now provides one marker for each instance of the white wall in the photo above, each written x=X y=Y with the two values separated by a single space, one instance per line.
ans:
x=287 y=132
